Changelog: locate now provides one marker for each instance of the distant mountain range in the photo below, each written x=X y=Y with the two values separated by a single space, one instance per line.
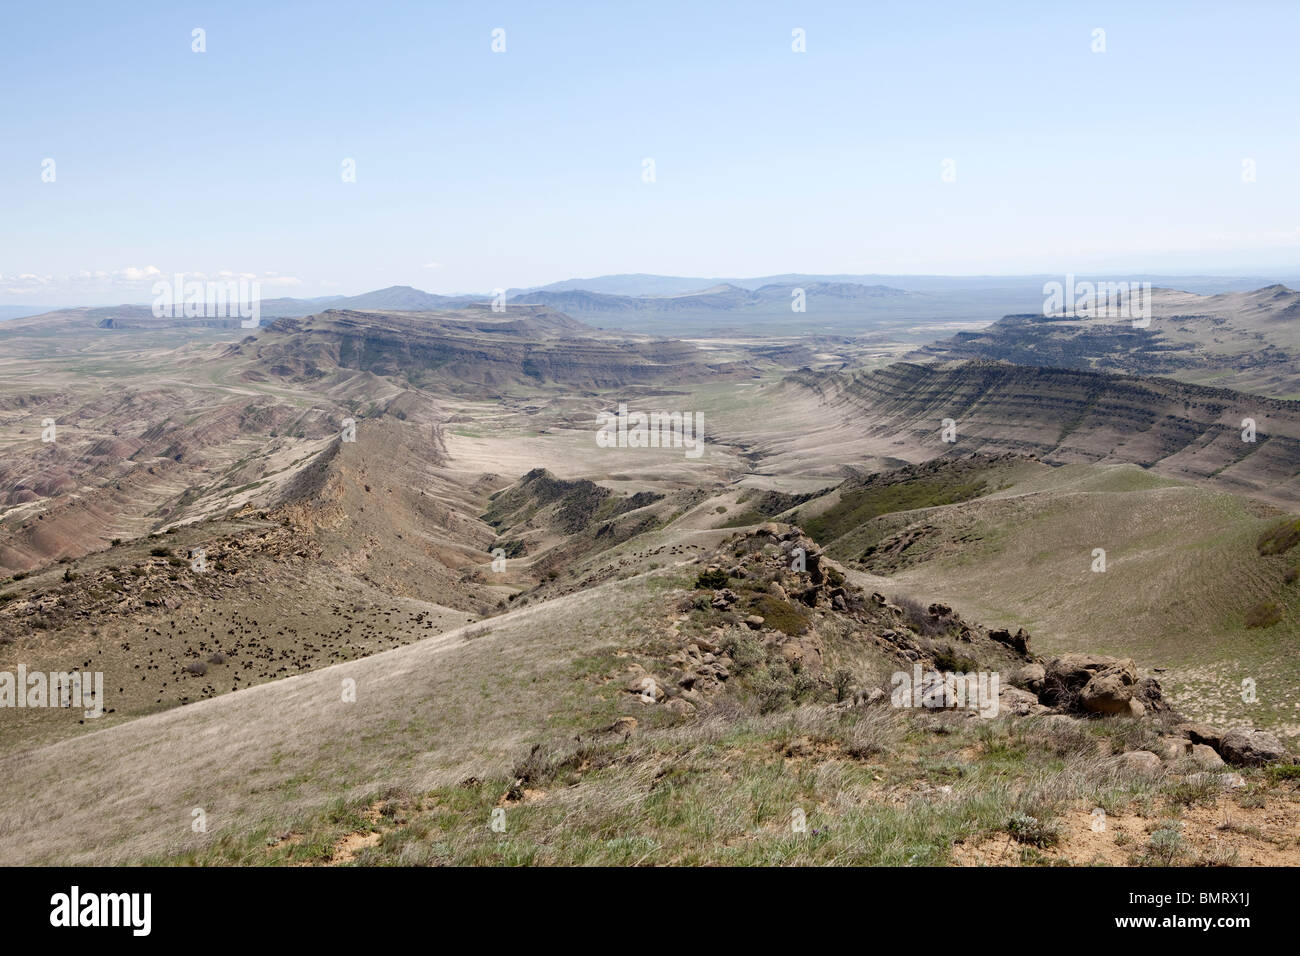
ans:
x=643 y=284
x=683 y=305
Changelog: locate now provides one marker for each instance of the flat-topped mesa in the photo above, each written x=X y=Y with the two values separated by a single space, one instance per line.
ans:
x=473 y=348
x=1065 y=416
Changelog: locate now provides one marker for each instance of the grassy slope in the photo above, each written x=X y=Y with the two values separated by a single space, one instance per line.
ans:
x=1182 y=570
x=441 y=729
x=427 y=714
x=876 y=787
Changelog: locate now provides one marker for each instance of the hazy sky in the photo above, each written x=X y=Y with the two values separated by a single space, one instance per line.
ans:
x=477 y=169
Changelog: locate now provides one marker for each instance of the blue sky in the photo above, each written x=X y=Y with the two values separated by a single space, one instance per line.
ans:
x=477 y=170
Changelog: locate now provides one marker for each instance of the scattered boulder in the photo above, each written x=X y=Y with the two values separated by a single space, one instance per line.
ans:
x=1109 y=692
x=1019 y=641
x=1251 y=747
x=1225 y=781
x=723 y=598
x=871 y=695
x=1141 y=761
x=1149 y=692
x=1032 y=677
x=1201 y=734
x=1013 y=700
x=1206 y=755
x=649 y=690
x=1175 y=747
x=706 y=645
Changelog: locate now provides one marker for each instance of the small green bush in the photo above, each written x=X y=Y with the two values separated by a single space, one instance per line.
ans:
x=1026 y=829
x=842 y=682
x=1280 y=538
x=782 y=615
x=1279 y=772
x=946 y=659
x=1264 y=614
x=712 y=579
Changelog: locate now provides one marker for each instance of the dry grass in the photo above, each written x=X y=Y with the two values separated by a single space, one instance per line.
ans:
x=428 y=713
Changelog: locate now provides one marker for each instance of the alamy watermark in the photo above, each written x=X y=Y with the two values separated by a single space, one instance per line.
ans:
x=653 y=430
x=936 y=690
x=75 y=908
x=208 y=300
x=55 y=689
x=1098 y=300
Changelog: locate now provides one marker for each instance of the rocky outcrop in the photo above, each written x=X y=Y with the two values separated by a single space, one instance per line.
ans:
x=777 y=586
x=1242 y=746
x=1095 y=684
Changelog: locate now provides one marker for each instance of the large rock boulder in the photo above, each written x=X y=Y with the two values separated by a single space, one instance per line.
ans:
x=1198 y=733
x=1071 y=672
x=1031 y=677
x=1206 y=755
x=1096 y=684
x=1108 y=692
x=1248 y=747
x=1012 y=700
x=1172 y=747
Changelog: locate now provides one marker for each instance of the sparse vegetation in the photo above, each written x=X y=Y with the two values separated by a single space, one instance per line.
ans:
x=782 y=615
x=918 y=619
x=711 y=579
x=1281 y=538
x=1028 y=829
x=766 y=689
x=946 y=659
x=1264 y=614
x=842 y=682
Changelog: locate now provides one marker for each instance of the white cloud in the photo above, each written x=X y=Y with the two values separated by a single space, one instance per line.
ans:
x=132 y=274
x=132 y=282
